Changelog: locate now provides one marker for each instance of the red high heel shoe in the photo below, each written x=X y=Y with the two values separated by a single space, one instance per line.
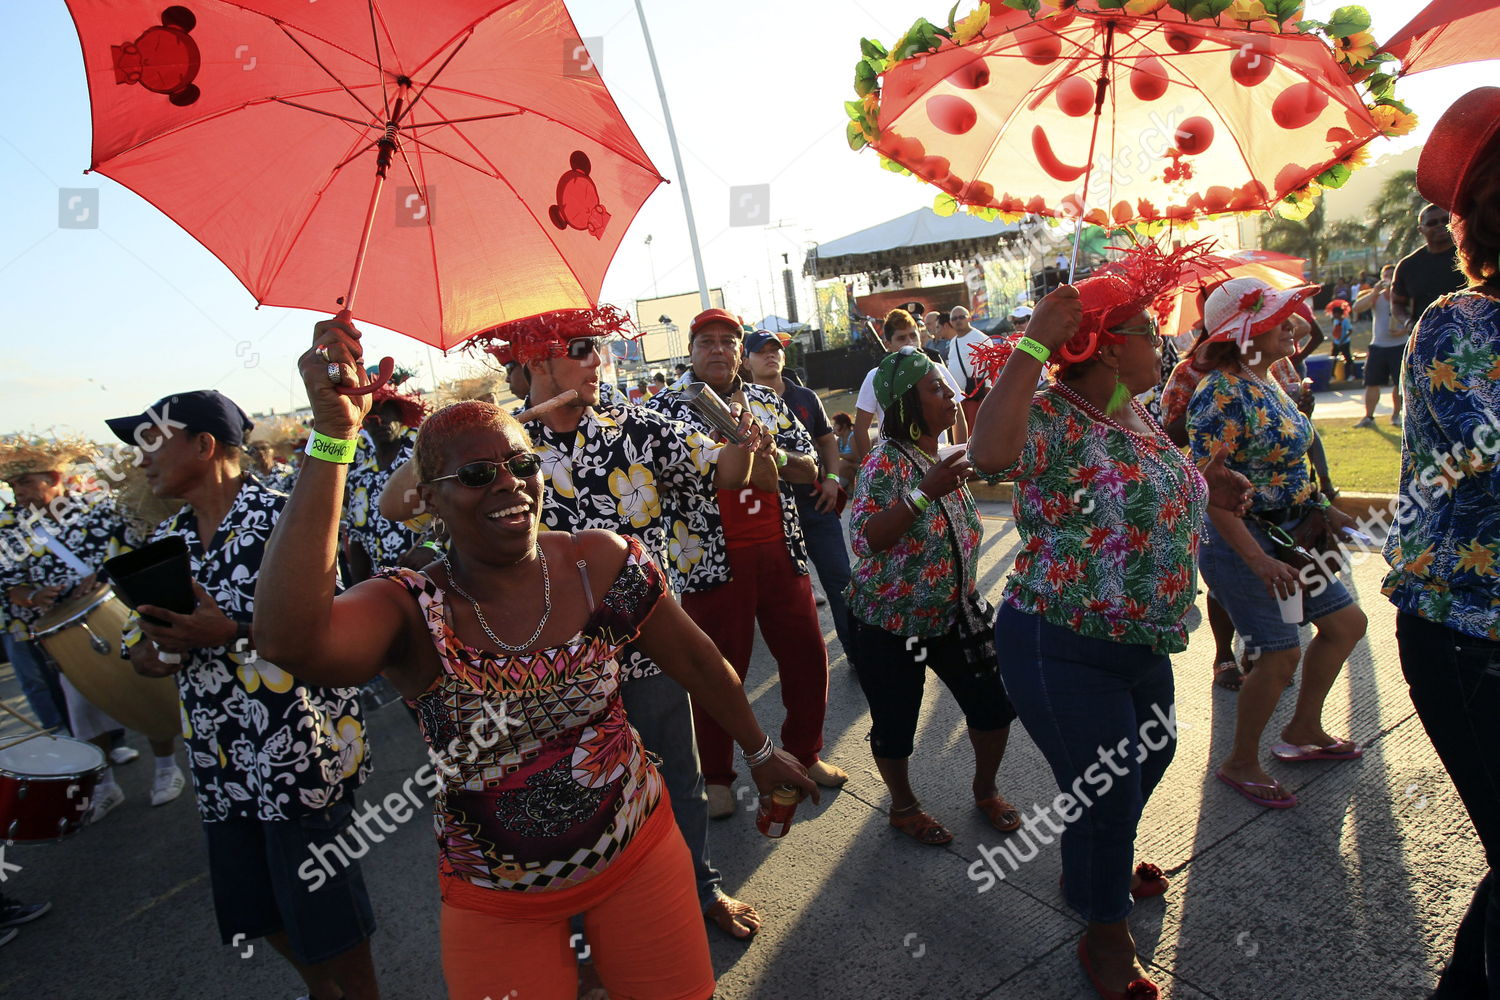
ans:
x=1138 y=989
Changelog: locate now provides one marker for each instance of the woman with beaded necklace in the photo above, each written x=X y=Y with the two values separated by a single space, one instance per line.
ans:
x=547 y=804
x=1108 y=511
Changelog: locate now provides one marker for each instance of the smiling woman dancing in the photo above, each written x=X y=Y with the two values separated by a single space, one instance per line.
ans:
x=562 y=812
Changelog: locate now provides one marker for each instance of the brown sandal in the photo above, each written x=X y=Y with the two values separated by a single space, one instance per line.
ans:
x=920 y=826
x=997 y=809
x=1227 y=675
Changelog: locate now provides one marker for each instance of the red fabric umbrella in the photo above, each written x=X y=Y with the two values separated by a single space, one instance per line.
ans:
x=1120 y=118
x=1447 y=32
x=257 y=126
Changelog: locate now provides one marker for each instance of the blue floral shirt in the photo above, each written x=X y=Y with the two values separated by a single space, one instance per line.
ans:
x=1267 y=436
x=1444 y=550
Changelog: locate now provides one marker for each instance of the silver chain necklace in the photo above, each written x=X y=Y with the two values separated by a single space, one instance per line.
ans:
x=546 y=606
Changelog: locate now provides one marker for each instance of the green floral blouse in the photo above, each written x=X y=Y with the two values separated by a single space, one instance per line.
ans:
x=1267 y=436
x=1109 y=523
x=912 y=587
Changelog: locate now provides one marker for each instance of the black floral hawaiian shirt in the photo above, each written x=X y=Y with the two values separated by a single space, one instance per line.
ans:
x=91 y=527
x=261 y=744
x=709 y=564
x=633 y=471
x=384 y=541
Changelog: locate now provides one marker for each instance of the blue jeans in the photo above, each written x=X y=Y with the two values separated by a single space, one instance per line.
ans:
x=830 y=557
x=1089 y=705
x=659 y=709
x=38 y=682
x=1455 y=688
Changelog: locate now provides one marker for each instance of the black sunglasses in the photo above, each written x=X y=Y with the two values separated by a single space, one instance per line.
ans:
x=579 y=348
x=477 y=475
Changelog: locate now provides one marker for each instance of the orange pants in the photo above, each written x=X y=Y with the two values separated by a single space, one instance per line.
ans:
x=641 y=918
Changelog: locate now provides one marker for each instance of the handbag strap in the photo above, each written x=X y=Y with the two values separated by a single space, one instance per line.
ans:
x=965 y=609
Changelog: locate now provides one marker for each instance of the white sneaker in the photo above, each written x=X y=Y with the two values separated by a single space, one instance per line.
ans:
x=1395 y=420
x=168 y=786
x=106 y=799
x=123 y=755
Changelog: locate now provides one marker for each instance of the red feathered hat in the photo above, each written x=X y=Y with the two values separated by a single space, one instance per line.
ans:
x=1113 y=295
x=413 y=409
x=547 y=335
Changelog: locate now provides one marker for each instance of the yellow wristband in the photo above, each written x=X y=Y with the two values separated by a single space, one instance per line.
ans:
x=331 y=449
x=1034 y=348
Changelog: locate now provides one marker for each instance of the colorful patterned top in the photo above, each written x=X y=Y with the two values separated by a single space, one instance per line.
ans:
x=1109 y=522
x=633 y=471
x=912 y=587
x=384 y=541
x=557 y=793
x=1185 y=378
x=261 y=744
x=1267 y=437
x=93 y=529
x=710 y=567
x=1445 y=548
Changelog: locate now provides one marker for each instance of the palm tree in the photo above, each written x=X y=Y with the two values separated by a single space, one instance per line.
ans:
x=1313 y=237
x=1395 y=212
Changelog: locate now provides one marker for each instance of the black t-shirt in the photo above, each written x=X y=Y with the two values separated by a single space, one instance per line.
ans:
x=807 y=408
x=1423 y=276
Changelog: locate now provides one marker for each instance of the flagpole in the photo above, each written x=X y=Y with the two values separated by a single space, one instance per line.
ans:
x=687 y=202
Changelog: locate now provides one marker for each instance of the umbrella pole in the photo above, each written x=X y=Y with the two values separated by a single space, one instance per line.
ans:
x=1100 y=89
x=386 y=146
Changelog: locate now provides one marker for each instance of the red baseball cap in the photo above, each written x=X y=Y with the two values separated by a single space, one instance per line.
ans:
x=1465 y=133
x=710 y=316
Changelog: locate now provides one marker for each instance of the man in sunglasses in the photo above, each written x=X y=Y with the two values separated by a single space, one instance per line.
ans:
x=1427 y=273
x=752 y=566
x=614 y=465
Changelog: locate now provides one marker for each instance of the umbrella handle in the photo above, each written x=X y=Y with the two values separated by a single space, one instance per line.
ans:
x=387 y=369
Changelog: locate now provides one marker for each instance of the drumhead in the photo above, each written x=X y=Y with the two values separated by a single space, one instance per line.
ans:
x=51 y=756
x=69 y=613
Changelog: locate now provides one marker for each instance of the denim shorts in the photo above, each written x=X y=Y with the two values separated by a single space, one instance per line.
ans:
x=1255 y=613
x=260 y=869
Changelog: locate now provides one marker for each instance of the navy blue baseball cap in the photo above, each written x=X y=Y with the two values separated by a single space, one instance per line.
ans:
x=760 y=338
x=196 y=412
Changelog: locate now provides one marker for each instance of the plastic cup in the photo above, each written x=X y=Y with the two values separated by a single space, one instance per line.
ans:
x=1291 y=607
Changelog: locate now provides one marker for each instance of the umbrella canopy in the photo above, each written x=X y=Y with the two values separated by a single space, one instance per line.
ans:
x=1447 y=32
x=256 y=126
x=1179 y=118
x=1278 y=270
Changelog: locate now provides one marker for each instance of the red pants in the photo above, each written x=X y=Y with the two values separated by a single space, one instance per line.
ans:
x=765 y=588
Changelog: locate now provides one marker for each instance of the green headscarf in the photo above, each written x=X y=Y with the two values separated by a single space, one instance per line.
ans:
x=898 y=372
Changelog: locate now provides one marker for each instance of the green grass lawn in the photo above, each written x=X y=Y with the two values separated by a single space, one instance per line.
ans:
x=1362 y=459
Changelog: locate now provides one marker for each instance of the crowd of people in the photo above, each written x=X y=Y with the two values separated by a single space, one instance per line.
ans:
x=591 y=568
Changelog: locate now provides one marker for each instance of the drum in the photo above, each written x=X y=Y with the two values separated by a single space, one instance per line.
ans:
x=47 y=787
x=83 y=635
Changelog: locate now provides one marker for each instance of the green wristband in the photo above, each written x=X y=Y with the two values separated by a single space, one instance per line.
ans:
x=919 y=500
x=1034 y=348
x=835 y=477
x=332 y=449
x=781 y=459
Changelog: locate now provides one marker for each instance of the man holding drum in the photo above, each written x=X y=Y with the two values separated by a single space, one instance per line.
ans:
x=275 y=762
x=51 y=559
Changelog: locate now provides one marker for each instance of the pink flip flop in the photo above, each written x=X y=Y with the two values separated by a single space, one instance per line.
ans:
x=1244 y=788
x=1342 y=750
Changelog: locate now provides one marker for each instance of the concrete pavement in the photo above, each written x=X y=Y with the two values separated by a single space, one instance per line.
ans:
x=1355 y=893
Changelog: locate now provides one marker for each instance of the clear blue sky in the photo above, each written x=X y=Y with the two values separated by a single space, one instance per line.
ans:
x=101 y=322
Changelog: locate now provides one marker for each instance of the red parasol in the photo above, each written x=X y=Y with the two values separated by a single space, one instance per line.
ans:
x=266 y=127
x=1184 y=118
x=1447 y=32
x=1278 y=270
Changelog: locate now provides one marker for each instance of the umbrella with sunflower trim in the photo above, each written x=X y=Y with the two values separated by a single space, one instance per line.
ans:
x=1119 y=112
